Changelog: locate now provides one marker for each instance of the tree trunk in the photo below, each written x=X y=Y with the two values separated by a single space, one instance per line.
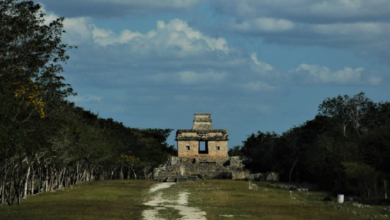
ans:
x=60 y=178
x=91 y=176
x=32 y=182
x=135 y=174
x=26 y=181
x=121 y=172
x=3 y=191
x=2 y=201
x=385 y=186
x=17 y=190
x=146 y=169
x=68 y=177
x=40 y=186
x=10 y=193
x=85 y=174
x=292 y=168
x=128 y=172
x=46 y=186
x=345 y=130
x=77 y=172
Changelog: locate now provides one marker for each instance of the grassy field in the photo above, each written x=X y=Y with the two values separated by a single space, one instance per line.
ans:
x=219 y=199
x=92 y=200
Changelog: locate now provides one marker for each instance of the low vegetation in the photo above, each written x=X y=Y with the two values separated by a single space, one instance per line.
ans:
x=89 y=200
x=344 y=149
x=219 y=199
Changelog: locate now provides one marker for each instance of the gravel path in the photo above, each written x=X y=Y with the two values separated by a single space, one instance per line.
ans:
x=157 y=203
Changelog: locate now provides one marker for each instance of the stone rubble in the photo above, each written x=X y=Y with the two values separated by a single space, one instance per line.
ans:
x=184 y=169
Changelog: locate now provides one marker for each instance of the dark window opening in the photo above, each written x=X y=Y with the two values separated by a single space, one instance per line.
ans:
x=203 y=147
x=188 y=147
x=218 y=148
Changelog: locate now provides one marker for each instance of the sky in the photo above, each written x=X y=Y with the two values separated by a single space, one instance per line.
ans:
x=255 y=65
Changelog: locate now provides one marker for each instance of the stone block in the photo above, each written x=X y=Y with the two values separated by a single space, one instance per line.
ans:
x=272 y=176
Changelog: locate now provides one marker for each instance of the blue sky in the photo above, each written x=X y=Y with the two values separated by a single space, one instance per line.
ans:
x=254 y=65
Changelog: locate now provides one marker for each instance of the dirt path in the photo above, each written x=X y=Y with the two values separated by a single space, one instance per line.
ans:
x=159 y=202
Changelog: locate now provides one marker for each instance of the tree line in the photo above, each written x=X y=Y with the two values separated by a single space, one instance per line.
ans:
x=344 y=149
x=46 y=142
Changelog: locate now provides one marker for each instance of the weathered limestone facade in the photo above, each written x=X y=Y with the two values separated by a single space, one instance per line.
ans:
x=202 y=154
x=202 y=140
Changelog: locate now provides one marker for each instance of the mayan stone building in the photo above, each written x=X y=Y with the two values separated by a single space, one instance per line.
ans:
x=202 y=140
x=202 y=154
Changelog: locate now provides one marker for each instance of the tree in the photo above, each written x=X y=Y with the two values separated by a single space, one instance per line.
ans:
x=378 y=116
x=291 y=150
x=235 y=151
x=259 y=152
x=375 y=150
x=349 y=111
x=46 y=142
x=29 y=49
x=361 y=178
x=31 y=54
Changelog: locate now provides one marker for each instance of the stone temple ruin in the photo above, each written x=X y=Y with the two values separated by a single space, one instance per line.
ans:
x=202 y=154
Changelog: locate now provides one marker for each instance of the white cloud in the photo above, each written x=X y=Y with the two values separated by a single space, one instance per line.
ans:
x=350 y=8
x=180 y=26
x=116 y=8
x=77 y=30
x=260 y=65
x=305 y=10
x=375 y=80
x=359 y=30
x=263 y=24
x=105 y=37
x=175 y=35
x=258 y=86
x=190 y=77
x=85 y=98
x=323 y=75
x=176 y=54
x=360 y=25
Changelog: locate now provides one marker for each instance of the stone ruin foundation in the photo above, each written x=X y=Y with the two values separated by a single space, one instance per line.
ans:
x=202 y=154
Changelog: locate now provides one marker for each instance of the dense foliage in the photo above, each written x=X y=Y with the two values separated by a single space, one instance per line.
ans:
x=345 y=148
x=47 y=142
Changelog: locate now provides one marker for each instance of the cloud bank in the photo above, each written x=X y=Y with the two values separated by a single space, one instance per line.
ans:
x=359 y=25
x=115 y=8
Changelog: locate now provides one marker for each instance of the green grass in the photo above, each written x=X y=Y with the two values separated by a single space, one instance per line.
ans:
x=218 y=198
x=92 y=200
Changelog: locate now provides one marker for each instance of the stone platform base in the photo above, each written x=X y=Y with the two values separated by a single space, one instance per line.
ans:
x=178 y=169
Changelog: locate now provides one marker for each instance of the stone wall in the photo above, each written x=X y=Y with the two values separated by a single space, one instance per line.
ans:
x=216 y=140
x=202 y=121
x=193 y=150
x=184 y=152
x=182 y=169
